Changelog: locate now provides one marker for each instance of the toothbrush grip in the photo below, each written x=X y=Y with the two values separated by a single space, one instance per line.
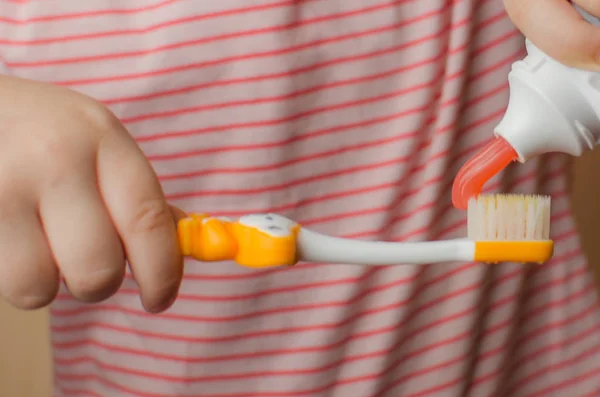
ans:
x=211 y=239
x=586 y=15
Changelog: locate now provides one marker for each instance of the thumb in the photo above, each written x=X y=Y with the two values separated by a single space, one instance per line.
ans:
x=177 y=213
x=557 y=29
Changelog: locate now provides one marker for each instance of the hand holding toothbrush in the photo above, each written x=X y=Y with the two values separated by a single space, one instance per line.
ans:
x=77 y=196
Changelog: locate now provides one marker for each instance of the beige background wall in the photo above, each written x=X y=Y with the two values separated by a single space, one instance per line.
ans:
x=18 y=365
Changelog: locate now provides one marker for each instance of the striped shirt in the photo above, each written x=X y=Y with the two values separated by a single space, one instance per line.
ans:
x=351 y=117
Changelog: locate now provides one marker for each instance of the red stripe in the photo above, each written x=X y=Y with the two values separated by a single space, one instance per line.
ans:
x=335 y=326
x=546 y=349
x=202 y=17
x=252 y=274
x=311 y=371
x=198 y=65
x=307 y=113
x=439 y=155
x=426 y=371
x=237 y=58
x=536 y=333
x=488 y=331
x=595 y=393
x=590 y=288
x=273 y=76
x=543 y=329
x=264 y=333
x=274 y=122
x=288 y=289
x=326 y=326
x=375 y=99
x=507 y=323
x=415 y=353
x=399 y=160
x=310 y=157
x=336 y=195
x=309 y=267
x=307 y=69
x=436 y=389
x=561 y=385
x=275 y=144
x=332 y=174
x=87 y=14
x=345 y=381
x=289 y=206
x=250 y=315
x=259 y=294
x=404 y=196
x=351 y=380
x=558 y=366
x=402 y=216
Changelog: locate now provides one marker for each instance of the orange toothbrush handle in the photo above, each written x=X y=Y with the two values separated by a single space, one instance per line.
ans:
x=209 y=239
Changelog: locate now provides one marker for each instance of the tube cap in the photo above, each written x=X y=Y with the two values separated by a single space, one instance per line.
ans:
x=550 y=108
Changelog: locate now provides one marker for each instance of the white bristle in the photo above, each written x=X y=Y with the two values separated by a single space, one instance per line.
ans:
x=509 y=217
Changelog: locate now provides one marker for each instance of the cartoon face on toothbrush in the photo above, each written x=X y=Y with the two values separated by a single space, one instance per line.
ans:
x=257 y=240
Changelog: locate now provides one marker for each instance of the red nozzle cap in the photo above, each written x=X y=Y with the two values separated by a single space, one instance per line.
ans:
x=490 y=160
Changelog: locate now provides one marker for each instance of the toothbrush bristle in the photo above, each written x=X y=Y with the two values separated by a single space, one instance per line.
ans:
x=514 y=217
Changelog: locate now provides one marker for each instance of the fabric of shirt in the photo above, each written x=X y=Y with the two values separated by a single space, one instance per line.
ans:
x=351 y=117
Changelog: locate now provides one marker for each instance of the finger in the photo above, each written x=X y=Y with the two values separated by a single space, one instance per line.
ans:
x=82 y=237
x=177 y=213
x=30 y=279
x=576 y=43
x=591 y=6
x=143 y=219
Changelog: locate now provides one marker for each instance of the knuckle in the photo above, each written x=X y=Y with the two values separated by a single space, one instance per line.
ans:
x=49 y=146
x=96 y=114
x=57 y=154
x=96 y=285
x=151 y=215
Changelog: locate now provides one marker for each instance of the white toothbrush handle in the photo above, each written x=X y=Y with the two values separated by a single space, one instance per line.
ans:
x=317 y=247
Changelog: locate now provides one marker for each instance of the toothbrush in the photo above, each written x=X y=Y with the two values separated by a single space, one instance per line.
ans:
x=501 y=228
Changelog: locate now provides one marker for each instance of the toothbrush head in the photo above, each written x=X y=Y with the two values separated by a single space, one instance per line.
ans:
x=510 y=228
